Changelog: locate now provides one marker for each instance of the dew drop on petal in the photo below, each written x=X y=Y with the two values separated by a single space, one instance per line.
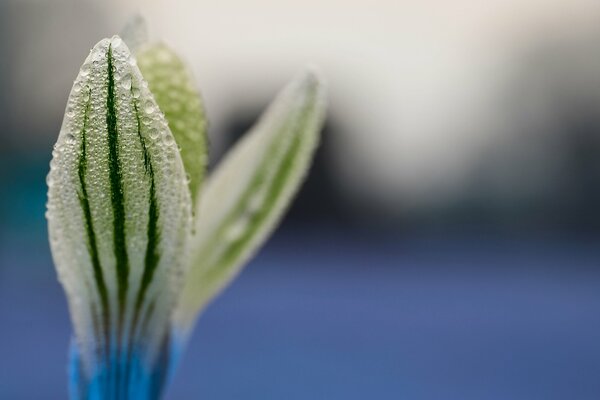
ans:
x=126 y=82
x=116 y=42
x=168 y=139
x=153 y=133
x=149 y=107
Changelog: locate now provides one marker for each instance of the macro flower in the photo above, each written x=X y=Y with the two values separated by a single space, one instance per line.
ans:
x=140 y=239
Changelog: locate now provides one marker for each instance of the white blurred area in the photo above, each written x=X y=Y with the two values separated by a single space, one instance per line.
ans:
x=426 y=97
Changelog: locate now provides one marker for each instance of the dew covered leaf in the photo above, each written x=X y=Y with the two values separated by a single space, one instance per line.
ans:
x=174 y=90
x=247 y=194
x=119 y=217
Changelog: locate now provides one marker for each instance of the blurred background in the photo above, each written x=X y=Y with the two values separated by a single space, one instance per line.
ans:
x=446 y=245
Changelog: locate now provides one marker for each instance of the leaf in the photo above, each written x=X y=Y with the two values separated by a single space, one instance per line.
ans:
x=119 y=216
x=249 y=192
x=173 y=87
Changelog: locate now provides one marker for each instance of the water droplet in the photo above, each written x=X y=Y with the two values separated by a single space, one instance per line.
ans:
x=135 y=92
x=149 y=107
x=49 y=180
x=70 y=139
x=153 y=133
x=85 y=69
x=168 y=139
x=77 y=87
x=116 y=42
x=126 y=82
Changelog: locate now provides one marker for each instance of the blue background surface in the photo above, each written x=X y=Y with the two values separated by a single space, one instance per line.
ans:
x=329 y=313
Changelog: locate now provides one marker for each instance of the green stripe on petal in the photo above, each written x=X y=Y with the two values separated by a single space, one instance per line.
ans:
x=248 y=193
x=173 y=87
x=119 y=216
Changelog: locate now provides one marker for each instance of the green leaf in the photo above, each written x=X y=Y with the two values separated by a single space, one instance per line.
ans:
x=174 y=90
x=248 y=193
x=119 y=213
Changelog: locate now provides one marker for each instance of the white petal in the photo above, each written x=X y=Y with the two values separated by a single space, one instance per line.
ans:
x=119 y=216
x=248 y=193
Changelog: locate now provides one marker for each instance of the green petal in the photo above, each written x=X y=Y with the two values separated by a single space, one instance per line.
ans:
x=119 y=212
x=248 y=193
x=173 y=87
